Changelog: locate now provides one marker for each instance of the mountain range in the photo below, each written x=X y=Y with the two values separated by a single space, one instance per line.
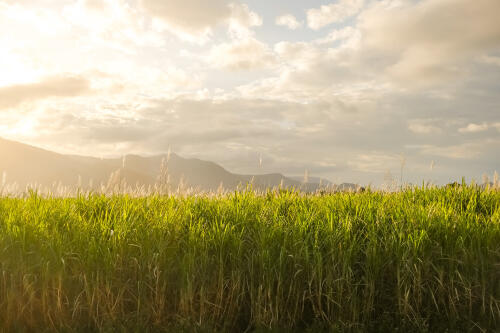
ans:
x=27 y=165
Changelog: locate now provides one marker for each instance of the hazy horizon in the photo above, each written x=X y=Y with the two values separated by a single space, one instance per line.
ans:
x=344 y=89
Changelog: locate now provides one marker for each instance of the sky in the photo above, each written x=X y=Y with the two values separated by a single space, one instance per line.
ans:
x=349 y=90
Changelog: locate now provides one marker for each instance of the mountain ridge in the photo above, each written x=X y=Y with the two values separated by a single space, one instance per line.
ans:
x=25 y=164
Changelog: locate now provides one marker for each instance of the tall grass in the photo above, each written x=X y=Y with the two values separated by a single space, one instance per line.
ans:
x=415 y=260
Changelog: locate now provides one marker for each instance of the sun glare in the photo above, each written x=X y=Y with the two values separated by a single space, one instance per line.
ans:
x=25 y=128
x=15 y=70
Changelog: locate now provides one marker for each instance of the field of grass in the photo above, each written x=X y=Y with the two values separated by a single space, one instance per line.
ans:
x=416 y=260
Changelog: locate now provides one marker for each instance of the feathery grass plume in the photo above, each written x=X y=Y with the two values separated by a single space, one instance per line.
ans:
x=306 y=176
x=486 y=180
x=163 y=180
x=182 y=187
x=389 y=183
x=4 y=183
x=496 y=183
x=220 y=189
x=402 y=165
x=116 y=183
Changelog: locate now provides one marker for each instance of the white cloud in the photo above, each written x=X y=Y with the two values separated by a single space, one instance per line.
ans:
x=340 y=11
x=348 y=35
x=428 y=42
x=474 y=128
x=57 y=86
x=374 y=162
x=460 y=151
x=195 y=20
x=477 y=128
x=245 y=54
x=289 y=21
x=110 y=23
x=423 y=126
x=241 y=22
x=491 y=60
x=309 y=71
x=192 y=16
x=299 y=54
x=243 y=18
x=403 y=46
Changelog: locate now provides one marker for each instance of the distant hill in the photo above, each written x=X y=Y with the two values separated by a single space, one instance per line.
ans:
x=24 y=164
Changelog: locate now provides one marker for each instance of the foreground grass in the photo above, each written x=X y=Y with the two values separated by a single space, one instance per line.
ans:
x=418 y=260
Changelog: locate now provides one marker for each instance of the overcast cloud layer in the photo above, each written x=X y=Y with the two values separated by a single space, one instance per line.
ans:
x=345 y=89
